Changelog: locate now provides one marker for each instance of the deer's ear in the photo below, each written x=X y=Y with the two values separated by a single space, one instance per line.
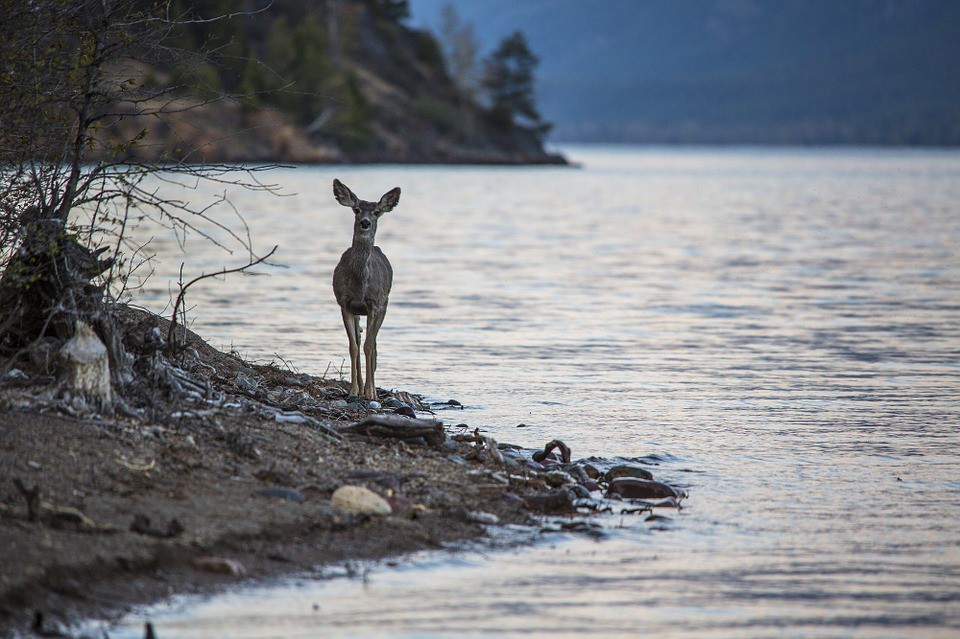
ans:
x=389 y=200
x=344 y=195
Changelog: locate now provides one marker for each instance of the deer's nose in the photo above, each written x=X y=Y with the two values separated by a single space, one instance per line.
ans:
x=364 y=224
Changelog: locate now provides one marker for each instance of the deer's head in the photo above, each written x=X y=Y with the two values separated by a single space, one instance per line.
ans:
x=366 y=213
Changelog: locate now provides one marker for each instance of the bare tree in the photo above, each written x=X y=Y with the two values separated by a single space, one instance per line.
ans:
x=68 y=70
x=461 y=50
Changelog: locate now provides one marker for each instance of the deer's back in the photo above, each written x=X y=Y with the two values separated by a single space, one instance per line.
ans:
x=362 y=280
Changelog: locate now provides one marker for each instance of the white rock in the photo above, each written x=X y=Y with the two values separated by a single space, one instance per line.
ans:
x=357 y=500
x=87 y=365
x=480 y=517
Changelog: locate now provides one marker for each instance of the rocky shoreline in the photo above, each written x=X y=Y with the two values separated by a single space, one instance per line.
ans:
x=229 y=471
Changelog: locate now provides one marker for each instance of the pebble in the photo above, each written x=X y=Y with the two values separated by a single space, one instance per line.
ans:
x=479 y=517
x=221 y=565
x=340 y=403
x=457 y=459
x=372 y=405
x=357 y=500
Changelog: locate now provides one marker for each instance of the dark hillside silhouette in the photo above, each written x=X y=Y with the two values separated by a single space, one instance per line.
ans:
x=737 y=71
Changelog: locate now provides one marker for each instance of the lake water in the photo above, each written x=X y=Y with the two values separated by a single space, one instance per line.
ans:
x=781 y=328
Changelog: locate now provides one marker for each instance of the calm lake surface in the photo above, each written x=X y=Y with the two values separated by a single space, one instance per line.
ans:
x=778 y=329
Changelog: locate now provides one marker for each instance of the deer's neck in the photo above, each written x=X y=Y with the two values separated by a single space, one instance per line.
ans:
x=362 y=245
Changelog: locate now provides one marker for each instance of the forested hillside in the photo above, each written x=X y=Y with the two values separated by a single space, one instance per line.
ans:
x=316 y=81
x=737 y=71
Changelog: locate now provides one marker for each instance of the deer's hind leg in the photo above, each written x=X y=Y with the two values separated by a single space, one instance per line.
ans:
x=374 y=321
x=352 y=323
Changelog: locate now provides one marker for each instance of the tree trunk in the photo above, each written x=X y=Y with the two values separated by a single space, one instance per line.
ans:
x=47 y=284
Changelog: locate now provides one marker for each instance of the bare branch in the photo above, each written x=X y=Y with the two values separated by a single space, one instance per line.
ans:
x=222 y=272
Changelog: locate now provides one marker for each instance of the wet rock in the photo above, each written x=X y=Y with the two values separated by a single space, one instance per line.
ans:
x=591 y=471
x=624 y=470
x=577 y=472
x=357 y=500
x=634 y=488
x=579 y=491
x=532 y=465
x=558 y=478
x=406 y=411
x=591 y=485
x=557 y=502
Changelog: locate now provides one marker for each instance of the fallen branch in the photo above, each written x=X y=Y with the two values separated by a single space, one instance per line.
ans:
x=398 y=427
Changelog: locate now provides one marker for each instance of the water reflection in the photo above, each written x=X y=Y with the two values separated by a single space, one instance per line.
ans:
x=783 y=322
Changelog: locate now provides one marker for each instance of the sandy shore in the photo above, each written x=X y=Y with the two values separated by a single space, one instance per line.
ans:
x=230 y=481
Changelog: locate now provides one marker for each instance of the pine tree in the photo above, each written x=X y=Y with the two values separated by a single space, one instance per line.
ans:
x=509 y=82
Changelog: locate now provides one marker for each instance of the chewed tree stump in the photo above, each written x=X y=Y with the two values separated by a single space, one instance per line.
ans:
x=87 y=365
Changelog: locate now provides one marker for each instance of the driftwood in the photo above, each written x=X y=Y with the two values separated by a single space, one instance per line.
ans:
x=399 y=427
x=53 y=515
x=539 y=456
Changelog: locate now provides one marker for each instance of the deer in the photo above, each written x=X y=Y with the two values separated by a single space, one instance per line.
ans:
x=361 y=283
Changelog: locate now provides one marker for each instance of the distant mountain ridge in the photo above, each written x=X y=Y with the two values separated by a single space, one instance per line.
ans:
x=737 y=71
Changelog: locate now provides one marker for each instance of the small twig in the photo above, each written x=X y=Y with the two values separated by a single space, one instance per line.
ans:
x=224 y=271
x=32 y=497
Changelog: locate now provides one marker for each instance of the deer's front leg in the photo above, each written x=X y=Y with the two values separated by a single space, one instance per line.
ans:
x=374 y=320
x=352 y=323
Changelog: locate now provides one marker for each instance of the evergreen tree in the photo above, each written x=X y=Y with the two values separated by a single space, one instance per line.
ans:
x=509 y=82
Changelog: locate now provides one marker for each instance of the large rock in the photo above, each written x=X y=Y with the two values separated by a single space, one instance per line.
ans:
x=357 y=500
x=624 y=470
x=633 y=488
